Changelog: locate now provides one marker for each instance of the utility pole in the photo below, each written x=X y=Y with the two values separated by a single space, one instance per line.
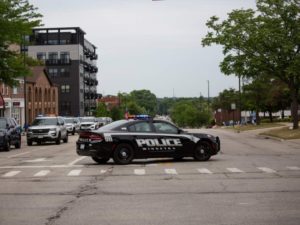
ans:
x=208 y=94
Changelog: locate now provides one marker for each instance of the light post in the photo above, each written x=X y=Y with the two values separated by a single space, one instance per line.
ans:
x=233 y=107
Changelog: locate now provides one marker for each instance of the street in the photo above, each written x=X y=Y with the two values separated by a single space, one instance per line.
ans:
x=253 y=181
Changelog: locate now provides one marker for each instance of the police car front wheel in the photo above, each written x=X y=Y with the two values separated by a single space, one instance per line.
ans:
x=202 y=152
x=123 y=154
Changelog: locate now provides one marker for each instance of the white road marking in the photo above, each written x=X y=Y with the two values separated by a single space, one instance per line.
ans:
x=293 y=167
x=36 y=160
x=41 y=173
x=28 y=167
x=139 y=172
x=11 y=173
x=266 y=170
x=171 y=171
x=103 y=171
x=74 y=173
x=12 y=156
x=205 y=171
x=77 y=160
x=235 y=170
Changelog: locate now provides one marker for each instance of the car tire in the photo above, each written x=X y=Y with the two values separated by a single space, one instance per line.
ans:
x=100 y=160
x=58 y=140
x=73 y=131
x=18 y=144
x=29 y=143
x=202 y=151
x=7 y=146
x=66 y=139
x=179 y=158
x=123 y=154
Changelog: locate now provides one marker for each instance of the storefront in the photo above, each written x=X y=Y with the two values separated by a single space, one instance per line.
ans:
x=14 y=107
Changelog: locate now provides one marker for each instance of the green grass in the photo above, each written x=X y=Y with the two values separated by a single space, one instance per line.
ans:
x=255 y=127
x=283 y=133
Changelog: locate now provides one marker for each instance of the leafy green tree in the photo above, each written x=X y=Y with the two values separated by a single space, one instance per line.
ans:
x=186 y=114
x=145 y=99
x=261 y=43
x=102 y=111
x=17 y=18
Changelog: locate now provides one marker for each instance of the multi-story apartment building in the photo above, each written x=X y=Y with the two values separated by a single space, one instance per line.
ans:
x=70 y=60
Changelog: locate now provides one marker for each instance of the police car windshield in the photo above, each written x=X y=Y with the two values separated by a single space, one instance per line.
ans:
x=112 y=125
x=45 y=121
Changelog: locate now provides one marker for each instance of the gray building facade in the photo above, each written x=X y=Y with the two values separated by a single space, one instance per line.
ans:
x=70 y=61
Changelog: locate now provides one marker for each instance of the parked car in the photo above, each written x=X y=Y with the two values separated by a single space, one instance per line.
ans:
x=72 y=124
x=10 y=133
x=45 y=129
x=102 y=121
x=88 y=123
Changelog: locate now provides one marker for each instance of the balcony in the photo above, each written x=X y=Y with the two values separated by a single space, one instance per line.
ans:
x=50 y=62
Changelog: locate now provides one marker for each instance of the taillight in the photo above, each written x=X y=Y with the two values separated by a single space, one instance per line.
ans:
x=90 y=136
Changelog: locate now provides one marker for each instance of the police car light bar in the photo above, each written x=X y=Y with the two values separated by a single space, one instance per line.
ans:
x=139 y=117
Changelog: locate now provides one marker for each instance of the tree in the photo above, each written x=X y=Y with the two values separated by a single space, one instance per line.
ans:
x=146 y=100
x=101 y=110
x=262 y=43
x=17 y=18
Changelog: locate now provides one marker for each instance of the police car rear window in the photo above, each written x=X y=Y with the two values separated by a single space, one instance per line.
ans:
x=140 y=127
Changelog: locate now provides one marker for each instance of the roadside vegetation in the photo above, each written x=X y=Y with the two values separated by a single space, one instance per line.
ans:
x=283 y=133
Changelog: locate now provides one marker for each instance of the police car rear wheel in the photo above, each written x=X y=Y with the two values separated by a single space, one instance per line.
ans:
x=123 y=154
x=202 y=152
x=100 y=160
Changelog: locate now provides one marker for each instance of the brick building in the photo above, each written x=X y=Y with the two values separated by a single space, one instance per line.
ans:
x=110 y=101
x=41 y=94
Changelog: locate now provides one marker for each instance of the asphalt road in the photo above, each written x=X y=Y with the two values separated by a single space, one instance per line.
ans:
x=253 y=181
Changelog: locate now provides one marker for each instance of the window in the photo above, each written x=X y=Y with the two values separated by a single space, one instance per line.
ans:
x=140 y=127
x=162 y=127
x=15 y=90
x=52 y=42
x=65 y=72
x=65 y=57
x=41 y=56
x=53 y=57
x=53 y=72
x=65 y=88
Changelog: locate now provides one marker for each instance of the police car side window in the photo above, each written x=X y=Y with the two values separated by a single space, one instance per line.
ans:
x=140 y=127
x=161 y=127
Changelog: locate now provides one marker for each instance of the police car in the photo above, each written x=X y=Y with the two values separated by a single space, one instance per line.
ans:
x=125 y=140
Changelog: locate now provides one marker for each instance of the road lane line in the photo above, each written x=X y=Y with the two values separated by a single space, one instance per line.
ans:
x=171 y=171
x=266 y=170
x=41 y=173
x=139 y=172
x=74 y=173
x=36 y=160
x=235 y=170
x=51 y=166
x=293 y=167
x=11 y=173
x=204 y=171
x=77 y=160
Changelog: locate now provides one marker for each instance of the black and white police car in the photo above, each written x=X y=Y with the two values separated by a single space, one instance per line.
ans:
x=125 y=140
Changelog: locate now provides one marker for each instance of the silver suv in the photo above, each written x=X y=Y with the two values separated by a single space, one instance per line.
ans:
x=45 y=129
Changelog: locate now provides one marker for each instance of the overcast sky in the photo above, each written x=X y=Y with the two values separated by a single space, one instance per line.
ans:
x=144 y=44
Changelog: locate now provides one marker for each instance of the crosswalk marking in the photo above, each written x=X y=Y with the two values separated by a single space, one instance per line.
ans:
x=171 y=171
x=11 y=173
x=293 y=167
x=235 y=170
x=266 y=170
x=74 y=173
x=42 y=173
x=139 y=172
x=205 y=171
x=103 y=171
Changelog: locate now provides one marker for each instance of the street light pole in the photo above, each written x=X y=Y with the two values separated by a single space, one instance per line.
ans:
x=208 y=94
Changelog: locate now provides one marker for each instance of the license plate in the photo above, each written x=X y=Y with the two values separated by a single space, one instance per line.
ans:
x=40 y=137
x=82 y=146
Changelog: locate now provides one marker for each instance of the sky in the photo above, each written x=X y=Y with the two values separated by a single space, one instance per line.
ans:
x=153 y=45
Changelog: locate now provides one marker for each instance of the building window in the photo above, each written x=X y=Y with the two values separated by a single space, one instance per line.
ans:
x=41 y=56
x=65 y=57
x=53 y=57
x=66 y=108
x=53 y=72
x=65 y=72
x=52 y=42
x=65 y=88
x=15 y=90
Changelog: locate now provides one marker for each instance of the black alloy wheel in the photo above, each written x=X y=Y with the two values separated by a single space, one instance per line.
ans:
x=202 y=152
x=100 y=160
x=7 y=146
x=29 y=143
x=66 y=139
x=58 y=140
x=123 y=154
